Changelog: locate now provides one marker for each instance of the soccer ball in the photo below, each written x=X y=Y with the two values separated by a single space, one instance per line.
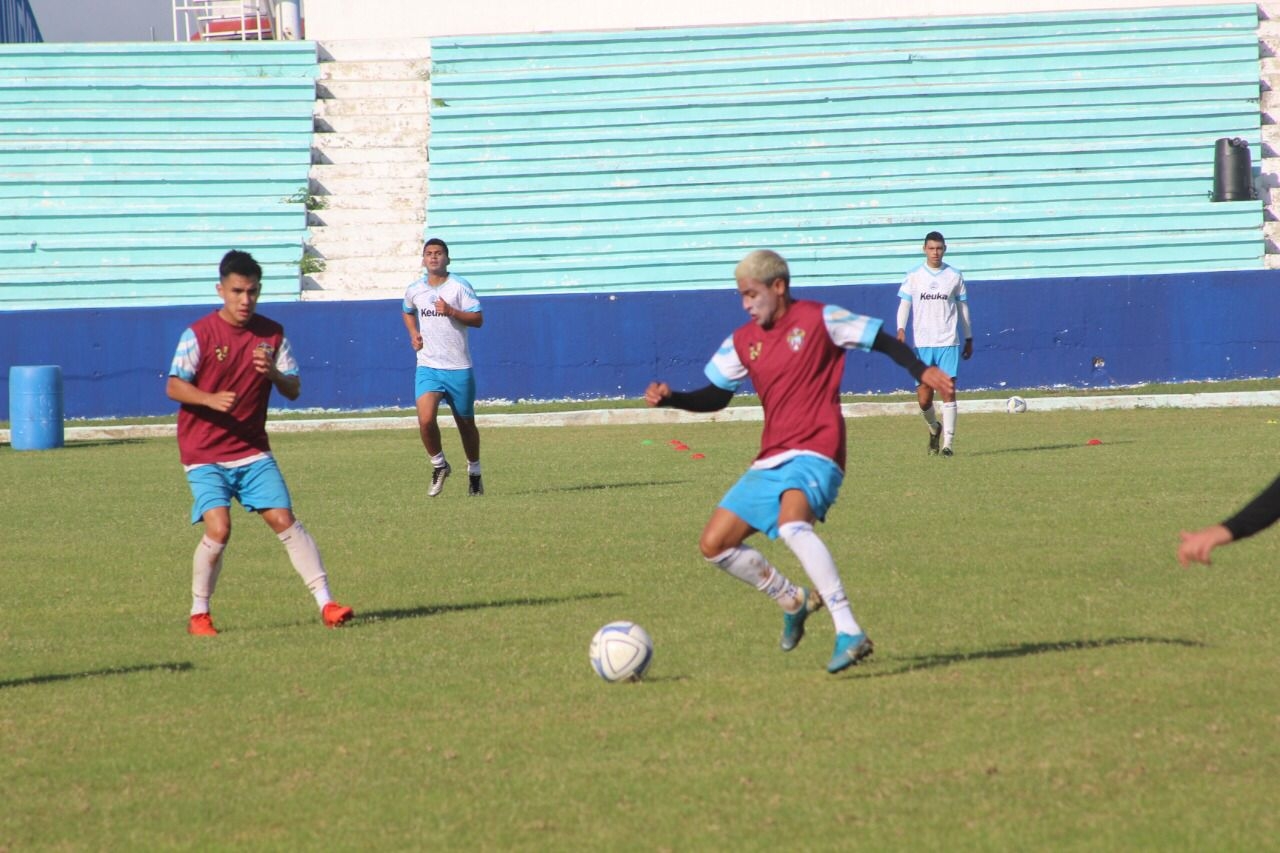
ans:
x=1015 y=405
x=621 y=651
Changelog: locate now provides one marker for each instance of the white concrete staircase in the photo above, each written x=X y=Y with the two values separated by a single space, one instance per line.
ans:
x=369 y=169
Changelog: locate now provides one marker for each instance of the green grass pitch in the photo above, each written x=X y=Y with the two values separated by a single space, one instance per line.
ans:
x=1046 y=675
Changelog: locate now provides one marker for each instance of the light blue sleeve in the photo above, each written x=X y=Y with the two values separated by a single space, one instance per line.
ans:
x=407 y=306
x=725 y=369
x=468 y=298
x=849 y=330
x=904 y=289
x=285 y=362
x=187 y=357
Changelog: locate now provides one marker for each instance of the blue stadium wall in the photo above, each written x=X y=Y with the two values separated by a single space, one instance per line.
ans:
x=354 y=355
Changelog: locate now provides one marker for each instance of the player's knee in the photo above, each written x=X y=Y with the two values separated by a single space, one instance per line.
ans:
x=279 y=519
x=712 y=545
x=218 y=530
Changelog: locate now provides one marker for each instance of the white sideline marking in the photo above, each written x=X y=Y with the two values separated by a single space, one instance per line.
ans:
x=600 y=417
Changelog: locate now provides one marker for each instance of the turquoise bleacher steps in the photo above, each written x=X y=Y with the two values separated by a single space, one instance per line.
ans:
x=128 y=169
x=1070 y=144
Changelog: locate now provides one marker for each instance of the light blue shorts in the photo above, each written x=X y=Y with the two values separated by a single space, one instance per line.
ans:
x=258 y=486
x=457 y=386
x=757 y=497
x=946 y=359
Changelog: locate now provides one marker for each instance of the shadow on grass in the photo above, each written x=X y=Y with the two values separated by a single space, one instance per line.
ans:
x=659 y=679
x=1074 y=446
x=82 y=445
x=104 y=442
x=182 y=666
x=595 y=487
x=366 y=616
x=938 y=661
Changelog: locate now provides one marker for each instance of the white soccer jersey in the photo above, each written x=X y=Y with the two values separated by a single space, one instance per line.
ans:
x=935 y=296
x=444 y=339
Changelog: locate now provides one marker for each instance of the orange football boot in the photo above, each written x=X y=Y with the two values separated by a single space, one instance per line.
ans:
x=335 y=614
x=201 y=625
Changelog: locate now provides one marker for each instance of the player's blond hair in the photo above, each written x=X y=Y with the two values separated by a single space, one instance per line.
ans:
x=763 y=265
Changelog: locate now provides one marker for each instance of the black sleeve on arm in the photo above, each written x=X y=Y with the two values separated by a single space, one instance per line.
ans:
x=899 y=352
x=1260 y=513
x=709 y=399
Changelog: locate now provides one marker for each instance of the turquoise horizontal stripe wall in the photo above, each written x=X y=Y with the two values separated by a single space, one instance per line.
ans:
x=1056 y=144
x=128 y=170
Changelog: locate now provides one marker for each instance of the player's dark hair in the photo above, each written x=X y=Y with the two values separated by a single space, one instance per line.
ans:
x=237 y=262
x=436 y=241
x=935 y=237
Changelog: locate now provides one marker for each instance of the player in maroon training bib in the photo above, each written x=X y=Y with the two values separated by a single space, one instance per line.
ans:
x=222 y=374
x=793 y=353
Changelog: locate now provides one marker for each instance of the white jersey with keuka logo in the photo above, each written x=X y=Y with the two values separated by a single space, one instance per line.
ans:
x=935 y=296
x=444 y=339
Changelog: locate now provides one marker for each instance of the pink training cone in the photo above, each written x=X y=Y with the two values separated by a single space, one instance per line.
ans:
x=698 y=456
x=1094 y=441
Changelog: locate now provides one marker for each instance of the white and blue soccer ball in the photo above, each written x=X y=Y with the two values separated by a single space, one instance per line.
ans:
x=621 y=651
x=1015 y=405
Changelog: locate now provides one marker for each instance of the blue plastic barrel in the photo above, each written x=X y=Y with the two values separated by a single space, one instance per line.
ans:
x=35 y=407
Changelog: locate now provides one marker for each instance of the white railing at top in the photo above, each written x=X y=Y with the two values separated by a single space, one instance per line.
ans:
x=238 y=20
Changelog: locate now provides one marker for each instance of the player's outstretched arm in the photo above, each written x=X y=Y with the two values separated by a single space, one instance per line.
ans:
x=1198 y=544
x=657 y=393
x=1257 y=515
x=937 y=379
x=903 y=355
x=712 y=398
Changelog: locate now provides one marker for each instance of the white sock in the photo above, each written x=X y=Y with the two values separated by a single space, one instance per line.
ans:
x=206 y=565
x=930 y=418
x=948 y=423
x=750 y=566
x=437 y=461
x=473 y=467
x=813 y=555
x=305 y=557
